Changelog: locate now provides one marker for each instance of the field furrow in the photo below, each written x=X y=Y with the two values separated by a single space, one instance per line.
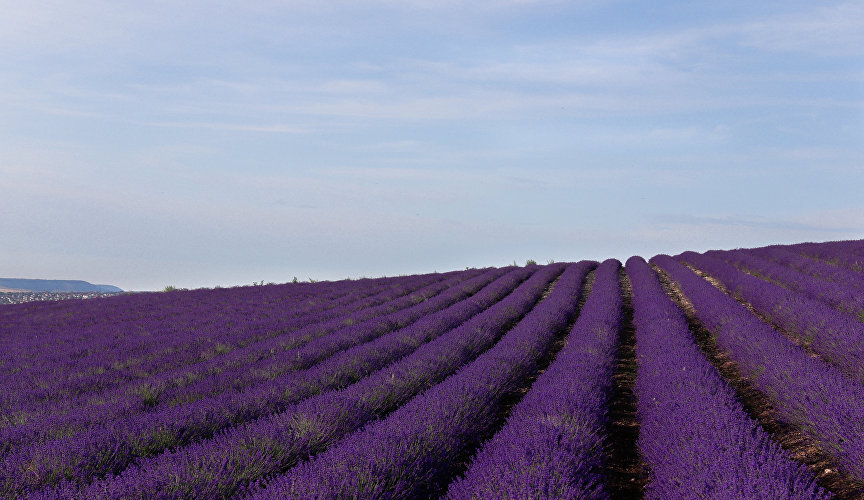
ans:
x=695 y=435
x=257 y=372
x=552 y=444
x=410 y=453
x=835 y=336
x=808 y=393
x=272 y=445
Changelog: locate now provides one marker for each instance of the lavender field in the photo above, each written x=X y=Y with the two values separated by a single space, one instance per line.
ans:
x=722 y=375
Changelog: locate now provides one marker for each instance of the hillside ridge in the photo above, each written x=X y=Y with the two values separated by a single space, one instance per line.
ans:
x=43 y=285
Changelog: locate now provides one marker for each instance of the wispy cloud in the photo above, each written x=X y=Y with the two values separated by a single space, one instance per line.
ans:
x=237 y=127
x=832 y=30
x=668 y=72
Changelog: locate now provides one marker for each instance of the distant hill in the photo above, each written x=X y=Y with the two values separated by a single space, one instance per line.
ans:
x=27 y=285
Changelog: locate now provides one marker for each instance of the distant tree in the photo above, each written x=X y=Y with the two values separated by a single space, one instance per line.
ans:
x=169 y=288
x=530 y=262
x=294 y=280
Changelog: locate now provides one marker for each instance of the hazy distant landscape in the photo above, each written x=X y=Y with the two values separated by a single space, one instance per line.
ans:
x=44 y=285
x=24 y=297
x=18 y=290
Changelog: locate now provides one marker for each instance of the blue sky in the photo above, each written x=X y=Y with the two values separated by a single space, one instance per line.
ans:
x=213 y=143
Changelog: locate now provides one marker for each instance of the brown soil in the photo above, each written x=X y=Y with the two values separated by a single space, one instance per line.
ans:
x=626 y=471
x=461 y=463
x=558 y=343
x=795 y=339
x=799 y=445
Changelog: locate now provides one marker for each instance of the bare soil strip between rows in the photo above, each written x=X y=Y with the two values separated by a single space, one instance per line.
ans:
x=463 y=460
x=799 y=446
x=795 y=339
x=626 y=470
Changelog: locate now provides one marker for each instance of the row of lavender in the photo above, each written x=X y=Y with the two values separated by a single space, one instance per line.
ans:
x=266 y=361
x=267 y=446
x=236 y=343
x=809 y=360
x=552 y=444
x=154 y=333
x=716 y=450
x=107 y=434
x=391 y=389
x=695 y=435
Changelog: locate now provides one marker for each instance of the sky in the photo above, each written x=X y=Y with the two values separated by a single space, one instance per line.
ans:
x=196 y=144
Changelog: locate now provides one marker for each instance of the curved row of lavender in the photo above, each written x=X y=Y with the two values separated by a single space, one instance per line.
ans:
x=695 y=436
x=81 y=332
x=227 y=331
x=249 y=335
x=839 y=253
x=98 y=356
x=87 y=324
x=410 y=453
x=808 y=393
x=83 y=351
x=227 y=463
x=823 y=271
x=841 y=296
x=832 y=334
x=110 y=446
x=256 y=364
x=553 y=443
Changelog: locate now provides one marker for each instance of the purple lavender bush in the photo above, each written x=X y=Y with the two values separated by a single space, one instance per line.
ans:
x=808 y=393
x=813 y=267
x=695 y=436
x=409 y=454
x=553 y=443
x=110 y=447
x=834 y=335
x=840 y=296
x=227 y=463
x=266 y=363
